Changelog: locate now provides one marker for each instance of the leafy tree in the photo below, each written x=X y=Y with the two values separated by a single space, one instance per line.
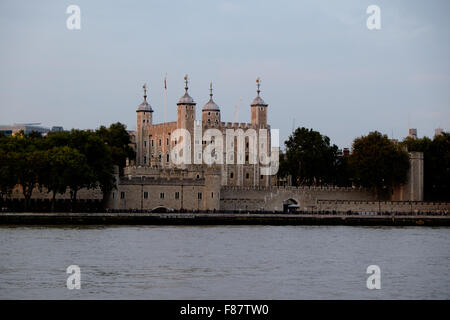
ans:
x=436 y=165
x=8 y=177
x=118 y=140
x=26 y=162
x=98 y=158
x=309 y=158
x=65 y=167
x=378 y=163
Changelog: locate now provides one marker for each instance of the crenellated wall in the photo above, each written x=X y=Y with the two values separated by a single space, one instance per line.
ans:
x=273 y=198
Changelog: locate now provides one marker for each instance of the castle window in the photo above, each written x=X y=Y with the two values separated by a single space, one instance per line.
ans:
x=217 y=121
x=209 y=113
x=159 y=141
x=177 y=195
x=212 y=194
x=246 y=157
x=209 y=120
x=145 y=195
x=152 y=143
x=145 y=143
x=161 y=195
x=199 y=195
x=198 y=176
x=261 y=176
x=261 y=108
x=145 y=159
x=167 y=157
x=231 y=175
x=160 y=157
x=217 y=113
x=246 y=145
x=122 y=195
x=167 y=141
x=247 y=175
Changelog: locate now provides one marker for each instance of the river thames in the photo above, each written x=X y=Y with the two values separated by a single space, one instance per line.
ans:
x=224 y=262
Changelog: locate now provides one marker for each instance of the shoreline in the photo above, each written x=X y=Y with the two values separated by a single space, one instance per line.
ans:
x=219 y=219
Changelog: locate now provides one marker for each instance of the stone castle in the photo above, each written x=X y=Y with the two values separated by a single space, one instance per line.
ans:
x=154 y=181
x=235 y=174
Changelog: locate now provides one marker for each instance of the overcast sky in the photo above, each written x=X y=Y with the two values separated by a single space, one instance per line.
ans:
x=320 y=65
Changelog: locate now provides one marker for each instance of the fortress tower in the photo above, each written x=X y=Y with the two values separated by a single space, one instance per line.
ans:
x=259 y=109
x=154 y=141
x=211 y=112
x=144 y=121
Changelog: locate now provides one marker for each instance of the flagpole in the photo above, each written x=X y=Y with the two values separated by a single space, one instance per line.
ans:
x=165 y=97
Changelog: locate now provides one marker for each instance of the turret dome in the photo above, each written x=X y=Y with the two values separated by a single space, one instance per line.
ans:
x=211 y=105
x=186 y=99
x=144 y=106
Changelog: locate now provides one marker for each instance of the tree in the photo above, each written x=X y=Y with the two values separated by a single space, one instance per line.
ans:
x=118 y=140
x=25 y=162
x=309 y=158
x=8 y=177
x=378 y=163
x=436 y=165
x=65 y=168
x=98 y=157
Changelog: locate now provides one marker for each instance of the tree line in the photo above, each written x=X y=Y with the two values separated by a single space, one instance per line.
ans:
x=63 y=161
x=376 y=162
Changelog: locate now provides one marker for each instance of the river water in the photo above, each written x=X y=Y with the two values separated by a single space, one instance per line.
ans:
x=224 y=262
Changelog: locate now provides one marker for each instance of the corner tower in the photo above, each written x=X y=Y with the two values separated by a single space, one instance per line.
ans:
x=259 y=109
x=143 y=122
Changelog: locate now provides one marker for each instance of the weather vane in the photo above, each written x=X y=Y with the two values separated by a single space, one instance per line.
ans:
x=186 y=82
x=145 y=90
x=258 y=84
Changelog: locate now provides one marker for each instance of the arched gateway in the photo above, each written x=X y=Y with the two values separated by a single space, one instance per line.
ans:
x=290 y=205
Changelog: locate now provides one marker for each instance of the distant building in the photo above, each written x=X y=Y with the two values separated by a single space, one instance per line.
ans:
x=412 y=133
x=27 y=128
x=438 y=132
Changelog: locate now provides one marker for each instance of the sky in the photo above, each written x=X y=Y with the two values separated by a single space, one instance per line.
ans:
x=319 y=64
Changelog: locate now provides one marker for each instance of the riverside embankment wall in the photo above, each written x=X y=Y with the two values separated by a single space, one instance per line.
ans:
x=319 y=199
x=218 y=219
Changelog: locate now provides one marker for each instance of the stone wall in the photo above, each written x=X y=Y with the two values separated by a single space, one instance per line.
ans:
x=412 y=207
x=273 y=198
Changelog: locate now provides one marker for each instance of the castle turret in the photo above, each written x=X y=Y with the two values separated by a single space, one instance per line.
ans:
x=259 y=109
x=211 y=112
x=186 y=110
x=186 y=114
x=144 y=121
